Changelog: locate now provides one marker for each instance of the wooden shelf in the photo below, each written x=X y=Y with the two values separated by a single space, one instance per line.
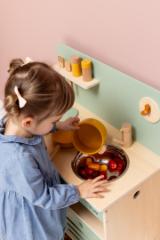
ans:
x=77 y=80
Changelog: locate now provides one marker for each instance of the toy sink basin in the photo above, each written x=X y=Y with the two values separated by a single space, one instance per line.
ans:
x=112 y=164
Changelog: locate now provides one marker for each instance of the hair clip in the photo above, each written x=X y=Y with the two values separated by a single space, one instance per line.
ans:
x=22 y=101
x=26 y=61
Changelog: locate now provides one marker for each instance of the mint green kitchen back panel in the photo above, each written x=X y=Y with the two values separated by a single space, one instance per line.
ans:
x=116 y=99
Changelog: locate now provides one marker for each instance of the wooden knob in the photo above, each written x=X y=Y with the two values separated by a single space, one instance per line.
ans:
x=146 y=111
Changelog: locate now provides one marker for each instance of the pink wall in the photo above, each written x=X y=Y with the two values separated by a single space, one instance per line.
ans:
x=121 y=33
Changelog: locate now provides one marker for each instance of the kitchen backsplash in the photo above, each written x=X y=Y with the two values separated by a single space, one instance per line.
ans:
x=116 y=99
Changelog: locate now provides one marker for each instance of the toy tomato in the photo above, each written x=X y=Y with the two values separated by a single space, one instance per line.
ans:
x=82 y=173
x=112 y=165
x=120 y=166
x=89 y=171
x=95 y=174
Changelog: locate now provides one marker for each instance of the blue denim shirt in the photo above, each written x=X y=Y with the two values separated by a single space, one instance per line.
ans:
x=33 y=202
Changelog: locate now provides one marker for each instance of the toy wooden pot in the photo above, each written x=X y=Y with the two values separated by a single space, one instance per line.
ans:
x=90 y=137
x=63 y=138
x=57 y=140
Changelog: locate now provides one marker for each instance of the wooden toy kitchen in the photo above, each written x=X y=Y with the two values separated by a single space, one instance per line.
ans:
x=130 y=112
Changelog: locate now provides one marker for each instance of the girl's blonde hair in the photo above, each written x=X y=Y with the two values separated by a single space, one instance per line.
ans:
x=45 y=91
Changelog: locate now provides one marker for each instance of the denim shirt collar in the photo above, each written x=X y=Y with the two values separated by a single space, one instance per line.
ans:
x=12 y=138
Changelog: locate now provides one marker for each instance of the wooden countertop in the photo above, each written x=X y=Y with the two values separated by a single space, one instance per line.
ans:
x=143 y=164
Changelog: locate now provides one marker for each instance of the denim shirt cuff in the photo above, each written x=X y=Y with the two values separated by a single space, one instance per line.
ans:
x=76 y=193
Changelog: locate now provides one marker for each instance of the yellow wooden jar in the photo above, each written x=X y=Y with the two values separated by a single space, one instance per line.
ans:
x=76 y=66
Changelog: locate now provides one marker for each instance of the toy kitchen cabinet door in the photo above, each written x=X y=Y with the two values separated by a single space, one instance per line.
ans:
x=136 y=216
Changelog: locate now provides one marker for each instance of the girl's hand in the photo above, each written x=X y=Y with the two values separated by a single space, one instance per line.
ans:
x=69 y=124
x=93 y=188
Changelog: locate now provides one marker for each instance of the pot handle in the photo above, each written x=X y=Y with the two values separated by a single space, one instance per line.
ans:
x=103 y=149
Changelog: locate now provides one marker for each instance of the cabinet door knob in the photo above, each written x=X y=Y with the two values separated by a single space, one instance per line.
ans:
x=136 y=194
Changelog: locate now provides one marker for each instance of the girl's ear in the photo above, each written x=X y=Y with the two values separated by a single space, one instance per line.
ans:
x=27 y=122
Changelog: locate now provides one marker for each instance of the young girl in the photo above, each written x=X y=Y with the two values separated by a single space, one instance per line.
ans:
x=33 y=201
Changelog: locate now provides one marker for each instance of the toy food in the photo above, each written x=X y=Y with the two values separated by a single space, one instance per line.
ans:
x=103 y=170
x=88 y=160
x=94 y=166
x=103 y=167
x=111 y=164
x=120 y=165
x=88 y=169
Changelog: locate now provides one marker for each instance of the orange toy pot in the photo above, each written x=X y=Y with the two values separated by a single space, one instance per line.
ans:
x=63 y=138
x=90 y=137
